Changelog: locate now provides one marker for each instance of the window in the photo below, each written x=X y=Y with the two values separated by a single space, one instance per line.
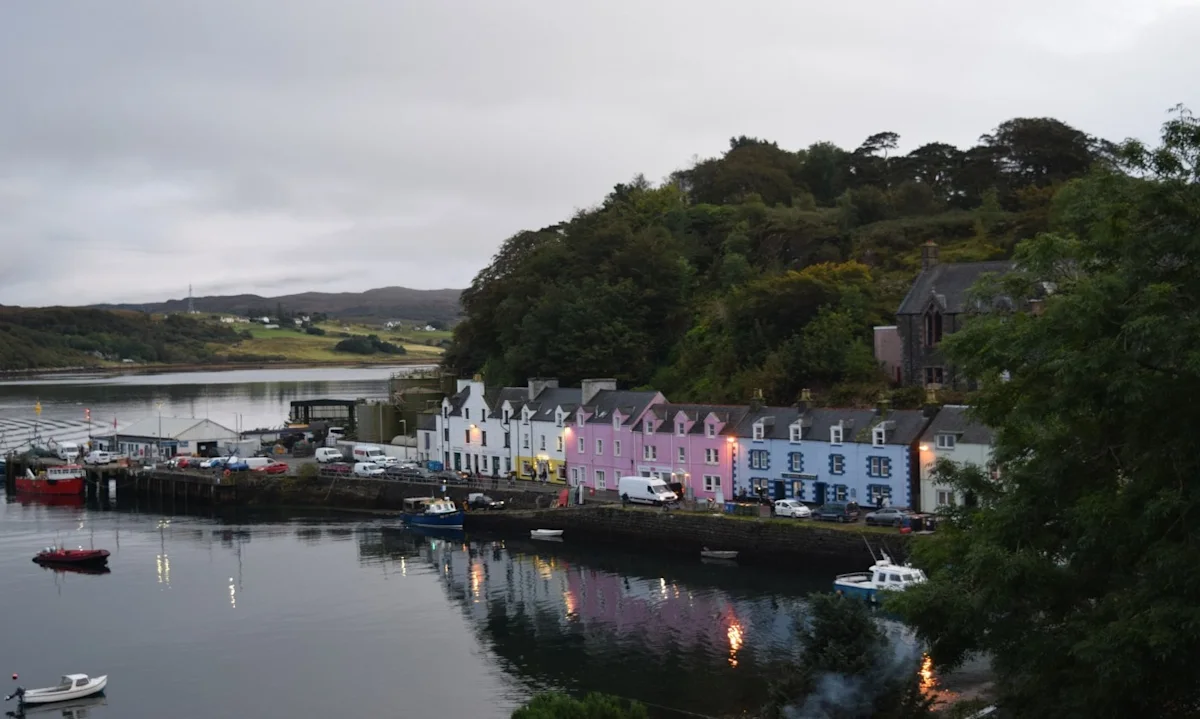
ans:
x=839 y=492
x=600 y=479
x=427 y=438
x=712 y=455
x=647 y=427
x=467 y=433
x=574 y=475
x=507 y=416
x=935 y=375
x=616 y=448
x=878 y=435
x=946 y=498
x=945 y=441
x=879 y=467
x=599 y=446
x=616 y=421
x=445 y=413
x=508 y=464
x=794 y=433
x=758 y=432
x=467 y=413
x=933 y=328
x=878 y=493
x=795 y=462
x=581 y=445
x=558 y=419
x=446 y=434
x=525 y=441
x=835 y=434
x=710 y=431
x=457 y=461
x=649 y=452
x=837 y=464
x=682 y=455
x=680 y=429
x=760 y=459
x=507 y=439
x=712 y=482
x=558 y=444
x=543 y=443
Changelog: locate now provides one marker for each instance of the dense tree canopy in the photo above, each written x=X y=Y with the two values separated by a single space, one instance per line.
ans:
x=764 y=268
x=1076 y=569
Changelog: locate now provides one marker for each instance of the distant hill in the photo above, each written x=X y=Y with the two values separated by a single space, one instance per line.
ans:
x=381 y=303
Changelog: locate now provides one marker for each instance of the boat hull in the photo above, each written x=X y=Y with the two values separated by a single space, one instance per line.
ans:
x=62 y=487
x=857 y=591
x=448 y=520
x=74 y=558
x=545 y=533
x=52 y=696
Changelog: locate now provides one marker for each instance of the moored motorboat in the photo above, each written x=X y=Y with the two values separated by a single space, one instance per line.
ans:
x=67 y=479
x=545 y=533
x=71 y=686
x=74 y=557
x=432 y=512
x=717 y=554
x=883 y=576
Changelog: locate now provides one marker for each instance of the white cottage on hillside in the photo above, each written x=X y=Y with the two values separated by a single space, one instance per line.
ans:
x=954 y=435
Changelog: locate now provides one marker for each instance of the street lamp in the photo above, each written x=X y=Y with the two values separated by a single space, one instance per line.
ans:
x=158 y=452
x=404 y=433
x=732 y=442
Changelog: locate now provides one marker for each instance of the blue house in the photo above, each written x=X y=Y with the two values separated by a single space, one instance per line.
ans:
x=824 y=455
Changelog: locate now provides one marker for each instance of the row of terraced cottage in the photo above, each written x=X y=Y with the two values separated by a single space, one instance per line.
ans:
x=594 y=434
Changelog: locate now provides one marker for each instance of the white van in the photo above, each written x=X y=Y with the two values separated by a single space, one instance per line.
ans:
x=325 y=455
x=645 y=490
x=68 y=451
x=367 y=469
x=371 y=453
x=257 y=462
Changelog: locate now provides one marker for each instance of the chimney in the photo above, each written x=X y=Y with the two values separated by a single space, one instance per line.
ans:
x=1036 y=307
x=929 y=255
x=805 y=400
x=589 y=388
x=931 y=403
x=884 y=405
x=756 y=402
x=537 y=384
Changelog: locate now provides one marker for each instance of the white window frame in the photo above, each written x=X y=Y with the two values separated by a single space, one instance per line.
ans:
x=616 y=422
x=759 y=431
x=836 y=434
x=681 y=429
x=877 y=466
x=946 y=440
x=650 y=452
x=467 y=413
x=682 y=454
x=599 y=446
x=581 y=445
x=946 y=498
x=616 y=448
x=525 y=441
x=600 y=479
x=795 y=433
x=647 y=427
x=878 y=437
x=837 y=465
x=558 y=444
x=712 y=482
x=558 y=418
x=795 y=461
x=543 y=443
x=712 y=456
x=710 y=430
x=575 y=475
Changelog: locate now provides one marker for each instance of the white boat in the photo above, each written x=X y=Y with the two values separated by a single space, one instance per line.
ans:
x=717 y=554
x=72 y=686
x=545 y=533
x=883 y=576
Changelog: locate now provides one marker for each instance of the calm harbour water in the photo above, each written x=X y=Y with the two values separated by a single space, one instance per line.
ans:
x=245 y=399
x=308 y=616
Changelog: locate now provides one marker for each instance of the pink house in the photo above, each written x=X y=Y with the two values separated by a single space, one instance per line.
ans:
x=692 y=444
x=601 y=438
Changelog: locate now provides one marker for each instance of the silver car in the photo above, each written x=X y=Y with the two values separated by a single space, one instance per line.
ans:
x=792 y=508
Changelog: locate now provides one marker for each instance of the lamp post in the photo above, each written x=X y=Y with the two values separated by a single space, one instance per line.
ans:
x=404 y=433
x=158 y=452
x=732 y=443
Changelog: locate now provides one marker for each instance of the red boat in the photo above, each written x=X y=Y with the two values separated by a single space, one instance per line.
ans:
x=81 y=556
x=64 y=479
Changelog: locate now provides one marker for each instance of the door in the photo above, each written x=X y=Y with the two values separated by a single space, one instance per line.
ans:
x=819 y=493
x=778 y=490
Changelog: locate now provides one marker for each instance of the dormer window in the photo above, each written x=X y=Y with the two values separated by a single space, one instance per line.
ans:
x=835 y=434
x=794 y=433
x=648 y=427
x=759 y=432
x=507 y=416
x=710 y=430
x=445 y=412
x=558 y=419
x=680 y=428
x=878 y=436
x=467 y=413
x=945 y=440
x=616 y=421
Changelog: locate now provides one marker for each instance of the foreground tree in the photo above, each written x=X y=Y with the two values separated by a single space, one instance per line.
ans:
x=848 y=669
x=593 y=706
x=1077 y=569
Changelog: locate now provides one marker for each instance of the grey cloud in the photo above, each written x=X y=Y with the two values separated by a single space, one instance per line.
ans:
x=238 y=144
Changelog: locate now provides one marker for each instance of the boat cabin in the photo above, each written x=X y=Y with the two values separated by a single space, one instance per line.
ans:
x=66 y=471
x=429 y=505
x=885 y=575
x=72 y=681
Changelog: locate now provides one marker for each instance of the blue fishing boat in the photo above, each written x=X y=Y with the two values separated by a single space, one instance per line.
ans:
x=432 y=513
x=883 y=576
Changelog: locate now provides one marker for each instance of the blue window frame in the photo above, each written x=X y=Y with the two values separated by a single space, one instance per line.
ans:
x=760 y=459
x=795 y=462
x=879 y=467
x=837 y=464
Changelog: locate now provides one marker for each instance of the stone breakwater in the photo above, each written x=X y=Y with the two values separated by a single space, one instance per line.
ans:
x=779 y=543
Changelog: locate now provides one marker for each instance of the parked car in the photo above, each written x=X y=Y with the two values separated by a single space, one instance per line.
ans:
x=888 y=517
x=838 y=512
x=792 y=508
x=326 y=455
x=477 y=500
x=274 y=468
x=219 y=462
x=99 y=457
x=410 y=474
x=367 y=469
x=337 y=469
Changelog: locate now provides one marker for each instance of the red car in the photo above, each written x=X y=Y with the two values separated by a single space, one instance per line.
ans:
x=274 y=468
x=337 y=469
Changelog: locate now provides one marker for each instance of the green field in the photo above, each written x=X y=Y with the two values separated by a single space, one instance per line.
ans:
x=297 y=346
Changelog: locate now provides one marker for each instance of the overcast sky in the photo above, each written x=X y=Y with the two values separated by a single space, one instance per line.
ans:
x=294 y=145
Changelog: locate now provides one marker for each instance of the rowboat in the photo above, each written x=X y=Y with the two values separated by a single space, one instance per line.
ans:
x=545 y=533
x=75 y=557
x=71 y=686
x=716 y=554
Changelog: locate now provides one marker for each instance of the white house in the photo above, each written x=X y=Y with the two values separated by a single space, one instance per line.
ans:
x=955 y=435
x=175 y=435
x=428 y=443
x=474 y=430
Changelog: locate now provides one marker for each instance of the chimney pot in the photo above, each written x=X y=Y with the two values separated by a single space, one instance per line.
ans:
x=929 y=255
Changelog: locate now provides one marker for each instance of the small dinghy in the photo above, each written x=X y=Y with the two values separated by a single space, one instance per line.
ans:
x=716 y=554
x=72 y=686
x=545 y=533
x=75 y=557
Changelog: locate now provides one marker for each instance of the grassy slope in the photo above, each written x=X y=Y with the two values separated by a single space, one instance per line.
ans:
x=300 y=347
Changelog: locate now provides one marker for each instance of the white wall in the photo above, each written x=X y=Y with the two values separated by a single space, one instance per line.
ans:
x=977 y=454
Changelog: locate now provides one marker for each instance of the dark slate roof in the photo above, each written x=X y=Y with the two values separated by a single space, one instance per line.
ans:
x=457 y=399
x=730 y=414
x=496 y=397
x=630 y=403
x=906 y=429
x=777 y=422
x=548 y=399
x=950 y=283
x=957 y=419
x=426 y=421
